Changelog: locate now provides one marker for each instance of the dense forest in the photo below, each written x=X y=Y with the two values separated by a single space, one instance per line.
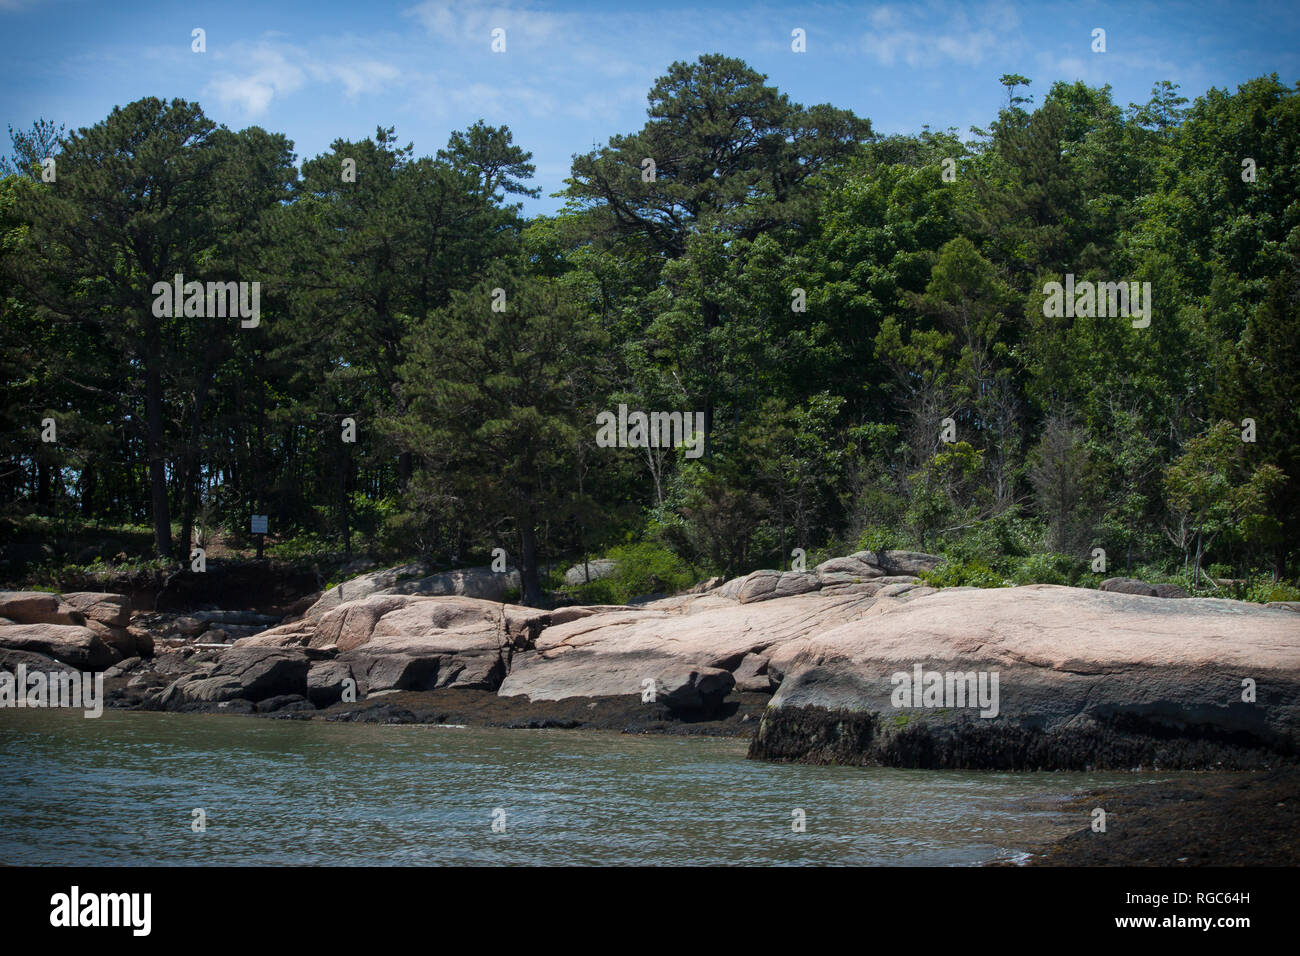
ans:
x=862 y=323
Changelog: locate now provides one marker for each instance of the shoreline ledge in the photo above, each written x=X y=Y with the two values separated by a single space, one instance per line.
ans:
x=804 y=662
x=1088 y=680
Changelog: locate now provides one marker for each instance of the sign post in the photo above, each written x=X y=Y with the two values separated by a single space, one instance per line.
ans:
x=259 y=529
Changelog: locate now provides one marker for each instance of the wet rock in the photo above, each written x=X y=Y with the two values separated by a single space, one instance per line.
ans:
x=1087 y=679
x=122 y=668
x=10 y=660
x=326 y=681
x=284 y=702
x=253 y=673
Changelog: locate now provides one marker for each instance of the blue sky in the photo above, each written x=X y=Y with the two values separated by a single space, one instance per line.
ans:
x=576 y=72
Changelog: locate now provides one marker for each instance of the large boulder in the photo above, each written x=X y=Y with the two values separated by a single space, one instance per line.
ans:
x=413 y=642
x=28 y=607
x=593 y=570
x=692 y=688
x=71 y=644
x=415 y=579
x=440 y=642
x=900 y=562
x=376 y=582
x=483 y=584
x=769 y=585
x=326 y=681
x=118 y=638
x=613 y=653
x=250 y=673
x=111 y=609
x=235 y=619
x=294 y=634
x=11 y=660
x=865 y=572
x=38 y=607
x=847 y=568
x=752 y=675
x=1084 y=679
x=1128 y=586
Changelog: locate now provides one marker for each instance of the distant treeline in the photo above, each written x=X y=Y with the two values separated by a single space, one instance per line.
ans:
x=866 y=326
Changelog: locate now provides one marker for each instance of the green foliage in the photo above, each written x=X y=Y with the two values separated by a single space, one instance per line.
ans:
x=973 y=573
x=1263 y=590
x=825 y=298
x=1047 y=568
x=642 y=569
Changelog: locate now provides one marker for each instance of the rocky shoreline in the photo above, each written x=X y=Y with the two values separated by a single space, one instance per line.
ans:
x=809 y=665
x=1239 y=819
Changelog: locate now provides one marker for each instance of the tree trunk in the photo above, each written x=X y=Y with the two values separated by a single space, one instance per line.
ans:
x=529 y=580
x=89 y=485
x=190 y=462
x=344 y=512
x=43 y=488
x=153 y=410
x=711 y=315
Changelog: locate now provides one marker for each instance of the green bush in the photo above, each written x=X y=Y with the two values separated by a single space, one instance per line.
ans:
x=642 y=569
x=1049 y=568
x=1264 y=590
x=877 y=538
x=973 y=573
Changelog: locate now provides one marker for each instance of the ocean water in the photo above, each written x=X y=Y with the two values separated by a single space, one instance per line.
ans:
x=122 y=790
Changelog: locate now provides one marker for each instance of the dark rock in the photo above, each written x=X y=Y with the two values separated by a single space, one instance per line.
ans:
x=254 y=674
x=325 y=682
x=752 y=675
x=284 y=702
x=122 y=668
x=1128 y=586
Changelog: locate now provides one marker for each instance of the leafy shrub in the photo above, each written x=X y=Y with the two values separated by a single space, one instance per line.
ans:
x=643 y=568
x=877 y=538
x=1048 y=568
x=1264 y=590
x=973 y=573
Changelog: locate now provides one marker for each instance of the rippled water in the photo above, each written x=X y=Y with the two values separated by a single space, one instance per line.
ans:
x=121 y=790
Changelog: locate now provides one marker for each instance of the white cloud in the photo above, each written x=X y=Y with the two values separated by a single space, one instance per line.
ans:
x=258 y=73
x=928 y=37
x=265 y=72
x=473 y=22
x=357 y=77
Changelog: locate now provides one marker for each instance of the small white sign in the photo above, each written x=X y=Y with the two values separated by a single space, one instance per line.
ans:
x=259 y=524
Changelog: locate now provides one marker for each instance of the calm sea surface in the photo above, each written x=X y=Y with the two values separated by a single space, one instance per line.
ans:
x=121 y=789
